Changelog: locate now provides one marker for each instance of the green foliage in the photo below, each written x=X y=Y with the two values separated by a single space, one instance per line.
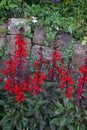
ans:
x=49 y=110
x=68 y=16
x=57 y=17
x=84 y=40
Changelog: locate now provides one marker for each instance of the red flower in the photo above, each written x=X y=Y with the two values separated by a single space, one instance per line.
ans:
x=67 y=79
x=82 y=82
x=68 y=95
x=40 y=61
x=69 y=89
x=56 y=56
x=6 y=87
x=69 y=92
x=42 y=76
x=83 y=69
x=20 y=98
x=34 y=93
x=0 y=71
x=1 y=79
x=62 y=86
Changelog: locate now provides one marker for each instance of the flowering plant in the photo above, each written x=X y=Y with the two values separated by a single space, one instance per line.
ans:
x=18 y=83
x=31 y=108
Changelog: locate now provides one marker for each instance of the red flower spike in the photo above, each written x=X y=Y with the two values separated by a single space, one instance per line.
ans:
x=82 y=82
x=16 y=83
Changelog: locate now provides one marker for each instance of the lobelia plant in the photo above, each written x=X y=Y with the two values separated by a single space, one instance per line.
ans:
x=50 y=105
x=18 y=83
x=61 y=74
x=15 y=82
x=82 y=84
x=39 y=75
x=54 y=66
x=66 y=80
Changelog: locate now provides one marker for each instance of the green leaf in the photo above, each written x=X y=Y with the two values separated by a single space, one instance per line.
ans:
x=52 y=126
x=65 y=100
x=56 y=121
x=19 y=125
x=85 y=38
x=5 y=119
x=68 y=120
x=86 y=112
x=70 y=29
x=85 y=117
x=2 y=102
x=83 y=127
x=84 y=42
x=42 y=125
x=57 y=112
x=2 y=3
x=69 y=106
x=78 y=115
x=12 y=5
x=62 y=122
x=46 y=43
x=71 y=127
x=78 y=127
x=25 y=121
x=7 y=127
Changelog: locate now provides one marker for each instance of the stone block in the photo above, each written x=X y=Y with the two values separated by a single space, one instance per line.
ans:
x=62 y=39
x=79 y=54
x=46 y=51
x=13 y=24
x=39 y=36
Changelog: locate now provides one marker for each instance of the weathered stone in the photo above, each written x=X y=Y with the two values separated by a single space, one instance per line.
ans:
x=3 y=30
x=62 y=40
x=79 y=54
x=46 y=51
x=13 y=25
x=39 y=36
x=11 y=44
x=2 y=41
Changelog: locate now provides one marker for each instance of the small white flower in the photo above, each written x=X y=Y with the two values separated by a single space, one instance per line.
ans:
x=57 y=28
x=34 y=21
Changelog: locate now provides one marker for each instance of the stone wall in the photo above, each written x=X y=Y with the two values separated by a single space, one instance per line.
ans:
x=10 y=29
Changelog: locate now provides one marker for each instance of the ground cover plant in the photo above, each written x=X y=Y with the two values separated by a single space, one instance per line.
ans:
x=68 y=16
